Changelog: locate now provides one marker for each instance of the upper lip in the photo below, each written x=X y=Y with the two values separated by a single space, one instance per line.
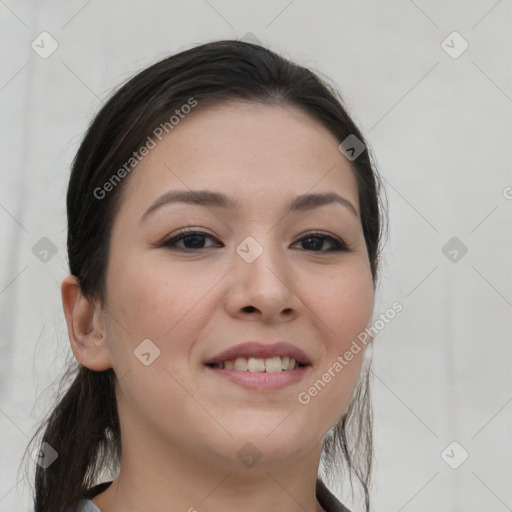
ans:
x=260 y=350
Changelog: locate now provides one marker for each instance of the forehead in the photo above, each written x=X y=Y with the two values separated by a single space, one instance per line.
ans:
x=259 y=154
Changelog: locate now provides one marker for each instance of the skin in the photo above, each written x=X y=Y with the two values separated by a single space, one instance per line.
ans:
x=182 y=425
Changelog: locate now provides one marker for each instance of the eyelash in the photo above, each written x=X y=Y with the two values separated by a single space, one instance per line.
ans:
x=338 y=244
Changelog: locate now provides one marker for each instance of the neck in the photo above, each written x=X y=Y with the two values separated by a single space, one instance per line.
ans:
x=163 y=479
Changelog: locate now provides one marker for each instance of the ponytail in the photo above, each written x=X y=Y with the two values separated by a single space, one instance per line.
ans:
x=83 y=429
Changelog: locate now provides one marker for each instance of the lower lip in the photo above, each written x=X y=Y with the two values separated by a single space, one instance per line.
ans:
x=262 y=380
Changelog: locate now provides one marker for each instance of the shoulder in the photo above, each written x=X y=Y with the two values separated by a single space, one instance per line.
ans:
x=84 y=505
x=328 y=501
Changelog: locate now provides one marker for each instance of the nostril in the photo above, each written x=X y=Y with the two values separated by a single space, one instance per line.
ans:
x=249 y=309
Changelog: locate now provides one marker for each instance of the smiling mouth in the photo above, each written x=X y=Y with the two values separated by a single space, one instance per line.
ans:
x=255 y=364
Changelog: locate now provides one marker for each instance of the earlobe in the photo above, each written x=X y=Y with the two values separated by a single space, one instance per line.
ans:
x=86 y=329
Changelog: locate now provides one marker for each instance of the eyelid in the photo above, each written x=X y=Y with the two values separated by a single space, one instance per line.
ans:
x=183 y=233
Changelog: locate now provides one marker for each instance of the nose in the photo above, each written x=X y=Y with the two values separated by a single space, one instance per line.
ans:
x=262 y=289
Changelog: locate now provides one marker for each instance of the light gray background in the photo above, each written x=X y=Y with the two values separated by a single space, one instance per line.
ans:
x=440 y=128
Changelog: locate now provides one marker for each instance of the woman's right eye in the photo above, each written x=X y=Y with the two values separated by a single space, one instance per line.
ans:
x=192 y=240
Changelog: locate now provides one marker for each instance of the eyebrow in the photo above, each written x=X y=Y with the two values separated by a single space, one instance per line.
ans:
x=213 y=199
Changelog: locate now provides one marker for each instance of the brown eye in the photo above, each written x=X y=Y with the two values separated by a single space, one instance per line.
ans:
x=192 y=240
x=315 y=242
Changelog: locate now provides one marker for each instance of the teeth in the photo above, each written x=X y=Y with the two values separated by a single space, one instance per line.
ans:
x=241 y=363
x=255 y=364
x=273 y=364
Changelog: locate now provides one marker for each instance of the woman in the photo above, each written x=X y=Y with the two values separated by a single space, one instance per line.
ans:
x=224 y=235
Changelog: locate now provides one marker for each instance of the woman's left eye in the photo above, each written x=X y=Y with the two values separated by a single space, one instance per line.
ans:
x=316 y=241
x=196 y=240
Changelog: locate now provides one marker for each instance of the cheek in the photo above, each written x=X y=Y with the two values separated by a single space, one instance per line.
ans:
x=343 y=301
x=343 y=305
x=150 y=304
x=152 y=300
x=160 y=302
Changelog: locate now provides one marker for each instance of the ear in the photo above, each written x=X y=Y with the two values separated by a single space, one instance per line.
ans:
x=86 y=329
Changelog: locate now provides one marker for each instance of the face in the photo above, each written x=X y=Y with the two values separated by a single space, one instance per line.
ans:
x=253 y=270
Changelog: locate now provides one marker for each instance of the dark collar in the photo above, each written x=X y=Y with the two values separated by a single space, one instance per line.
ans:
x=327 y=500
